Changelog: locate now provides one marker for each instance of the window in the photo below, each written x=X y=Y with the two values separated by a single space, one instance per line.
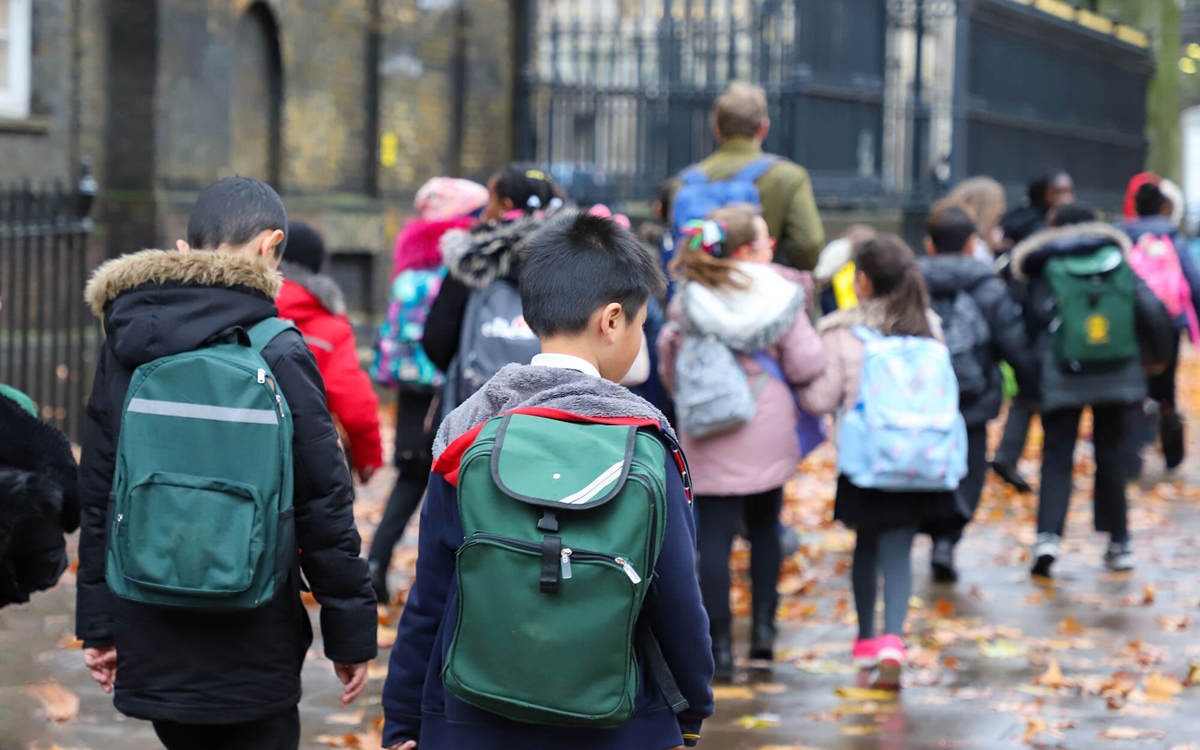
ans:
x=14 y=58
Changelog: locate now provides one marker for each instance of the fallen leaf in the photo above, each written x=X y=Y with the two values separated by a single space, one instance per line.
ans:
x=1161 y=689
x=1033 y=727
x=59 y=703
x=69 y=641
x=866 y=694
x=1148 y=594
x=1052 y=677
x=1070 y=626
x=732 y=693
x=1193 y=674
x=758 y=721
x=944 y=609
x=1173 y=623
x=855 y=731
x=350 y=718
x=770 y=688
x=1003 y=649
x=1130 y=733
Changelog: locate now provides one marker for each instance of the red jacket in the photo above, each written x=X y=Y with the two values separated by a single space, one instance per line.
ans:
x=318 y=309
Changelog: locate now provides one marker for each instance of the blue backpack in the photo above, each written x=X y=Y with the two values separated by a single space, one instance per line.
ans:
x=699 y=196
x=905 y=432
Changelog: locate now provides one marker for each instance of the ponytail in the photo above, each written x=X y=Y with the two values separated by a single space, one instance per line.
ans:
x=892 y=268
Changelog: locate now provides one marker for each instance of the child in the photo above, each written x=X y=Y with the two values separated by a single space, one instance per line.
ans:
x=315 y=303
x=584 y=289
x=229 y=678
x=983 y=325
x=38 y=501
x=732 y=291
x=443 y=204
x=1128 y=328
x=893 y=303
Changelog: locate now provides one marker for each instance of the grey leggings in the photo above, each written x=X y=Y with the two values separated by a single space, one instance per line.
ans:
x=883 y=552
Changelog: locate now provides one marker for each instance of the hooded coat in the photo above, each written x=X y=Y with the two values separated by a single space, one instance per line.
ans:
x=38 y=503
x=316 y=305
x=1062 y=390
x=769 y=316
x=416 y=704
x=194 y=667
x=1162 y=225
x=946 y=276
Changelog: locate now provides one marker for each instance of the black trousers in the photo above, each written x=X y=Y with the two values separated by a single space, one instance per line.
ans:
x=279 y=732
x=971 y=486
x=1110 y=431
x=414 y=461
x=719 y=517
x=1161 y=387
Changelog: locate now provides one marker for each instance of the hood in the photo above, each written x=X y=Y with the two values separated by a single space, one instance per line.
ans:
x=947 y=275
x=744 y=319
x=156 y=303
x=1030 y=255
x=490 y=251
x=1150 y=225
x=1129 y=209
x=323 y=288
x=529 y=386
x=417 y=245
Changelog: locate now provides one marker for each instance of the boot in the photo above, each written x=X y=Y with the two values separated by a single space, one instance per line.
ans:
x=941 y=560
x=762 y=633
x=1171 y=433
x=722 y=648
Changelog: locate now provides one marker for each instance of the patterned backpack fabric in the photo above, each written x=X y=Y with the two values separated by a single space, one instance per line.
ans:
x=399 y=357
x=712 y=394
x=1155 y=258
x=905 y=432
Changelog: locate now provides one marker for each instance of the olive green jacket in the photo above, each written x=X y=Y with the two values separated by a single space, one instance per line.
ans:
x=787 y=201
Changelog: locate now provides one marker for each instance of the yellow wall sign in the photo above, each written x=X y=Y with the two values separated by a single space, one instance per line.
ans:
x=389 y=148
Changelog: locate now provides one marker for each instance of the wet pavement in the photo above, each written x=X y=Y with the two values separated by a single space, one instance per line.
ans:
x=1088 y=660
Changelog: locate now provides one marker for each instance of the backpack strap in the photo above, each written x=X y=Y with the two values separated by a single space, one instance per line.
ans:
x=693 y=176
x=757 y=168
x=265 y=331
x=866 y=334
x=652 y=653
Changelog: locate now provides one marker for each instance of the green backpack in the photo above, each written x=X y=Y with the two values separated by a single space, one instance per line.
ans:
x=563 y=523
x=202 y=490
x=1094 y=329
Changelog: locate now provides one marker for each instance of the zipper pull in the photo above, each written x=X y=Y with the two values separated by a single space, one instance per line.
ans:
x=262 y=376
x=279 y=400
x=629 y=571
x=566 y=563
x=120 y=518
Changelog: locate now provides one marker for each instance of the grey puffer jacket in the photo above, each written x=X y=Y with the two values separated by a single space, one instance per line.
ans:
x=1062 y=390
x=946 y=276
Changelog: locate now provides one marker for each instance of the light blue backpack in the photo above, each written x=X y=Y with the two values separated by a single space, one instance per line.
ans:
x=905 y=432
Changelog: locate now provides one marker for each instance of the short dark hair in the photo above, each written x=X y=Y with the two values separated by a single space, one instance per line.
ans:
x=1072 y=213
x=1149 y=200
x=232 y=211
x=949 y=227
x=529 y=188
x=578 y=263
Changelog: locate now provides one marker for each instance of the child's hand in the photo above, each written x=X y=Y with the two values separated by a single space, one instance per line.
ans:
x=102 y=662
x=354 y=677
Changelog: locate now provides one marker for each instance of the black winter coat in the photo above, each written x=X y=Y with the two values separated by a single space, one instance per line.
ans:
x=1061 y=390
x=38 y=503
x=946 y=276
x=195 y=667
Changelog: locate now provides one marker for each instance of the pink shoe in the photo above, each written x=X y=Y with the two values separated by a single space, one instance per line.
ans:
x=891 y=659
x=866 y=652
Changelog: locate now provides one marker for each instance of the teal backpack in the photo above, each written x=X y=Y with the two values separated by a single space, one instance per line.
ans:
x=563 y=523
x=202 y=489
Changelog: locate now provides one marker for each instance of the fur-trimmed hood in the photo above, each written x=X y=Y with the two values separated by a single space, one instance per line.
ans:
x=745 y=319
x=155 y=303
x=418 y=243
x=322 y=287
x=1030 y=255
x=489 y=252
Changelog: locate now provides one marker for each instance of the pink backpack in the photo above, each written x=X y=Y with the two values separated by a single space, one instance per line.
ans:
x=1155 y=259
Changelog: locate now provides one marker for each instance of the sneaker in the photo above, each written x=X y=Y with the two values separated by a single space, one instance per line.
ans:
x=1045 y=551
x=1012 y=476
x=866 y=652
x=1171 y=432
x=891 y=660
x=941 y=560
x=1118 y=557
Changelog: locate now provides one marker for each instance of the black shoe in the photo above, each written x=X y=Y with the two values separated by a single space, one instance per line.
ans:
x=1045 y=552
x=941 y=560
x=1170 y=430
x=379 y=582
x=1012 y=476
x=722 y=648
x=762 y=633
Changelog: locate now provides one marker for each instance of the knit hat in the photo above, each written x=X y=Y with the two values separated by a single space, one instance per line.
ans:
x=444 y=198
x=304 y=246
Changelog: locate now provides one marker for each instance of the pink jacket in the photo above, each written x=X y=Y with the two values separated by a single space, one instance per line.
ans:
x=837 y=387
x=762 y=454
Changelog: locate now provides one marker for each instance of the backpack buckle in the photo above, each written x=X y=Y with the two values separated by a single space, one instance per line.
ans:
x=548 y=522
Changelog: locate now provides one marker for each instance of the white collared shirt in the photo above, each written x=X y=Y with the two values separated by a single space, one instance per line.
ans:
x=565 y=362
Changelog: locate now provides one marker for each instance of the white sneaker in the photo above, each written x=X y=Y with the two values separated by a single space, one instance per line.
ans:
x=1118 y=557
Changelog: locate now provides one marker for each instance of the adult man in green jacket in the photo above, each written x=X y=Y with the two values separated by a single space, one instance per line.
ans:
x=740 y=124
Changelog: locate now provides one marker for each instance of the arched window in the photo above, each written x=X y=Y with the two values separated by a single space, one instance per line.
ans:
x=256 y=109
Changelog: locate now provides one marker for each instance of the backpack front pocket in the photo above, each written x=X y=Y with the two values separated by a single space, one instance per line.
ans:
x=516 y=650
x=189 y=534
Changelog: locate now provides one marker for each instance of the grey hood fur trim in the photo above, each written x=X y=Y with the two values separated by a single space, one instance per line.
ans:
x=198 y=267
x=487 y=252
x=522 y=386
x=323 y=287
x=1047 y=237
x=746 y=319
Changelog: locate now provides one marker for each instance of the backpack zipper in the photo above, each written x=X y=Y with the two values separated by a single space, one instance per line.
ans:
x=565 y=557
x=262 y=376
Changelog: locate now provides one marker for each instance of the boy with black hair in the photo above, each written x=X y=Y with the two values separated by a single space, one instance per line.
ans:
x=228 y=678
x=584 y=289
x=983 y=326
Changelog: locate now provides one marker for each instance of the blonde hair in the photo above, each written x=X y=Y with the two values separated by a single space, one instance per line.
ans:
x=740 y=110
x=740 y=221
x=982 y=198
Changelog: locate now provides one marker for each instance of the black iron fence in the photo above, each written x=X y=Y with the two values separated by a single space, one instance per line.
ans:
x=47 y=336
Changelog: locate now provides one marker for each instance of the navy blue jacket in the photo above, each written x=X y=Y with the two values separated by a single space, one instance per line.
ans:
x=417 y=706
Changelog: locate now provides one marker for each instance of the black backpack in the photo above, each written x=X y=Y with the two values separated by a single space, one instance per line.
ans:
x=967 y=337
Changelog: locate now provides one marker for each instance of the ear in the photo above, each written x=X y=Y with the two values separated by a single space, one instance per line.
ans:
x=717 y=133
x=270 y=240
x=183 y=247
x=764 y=129
x=508 y=204
x=610 y=319
x=930 y=248
x=969 y=248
